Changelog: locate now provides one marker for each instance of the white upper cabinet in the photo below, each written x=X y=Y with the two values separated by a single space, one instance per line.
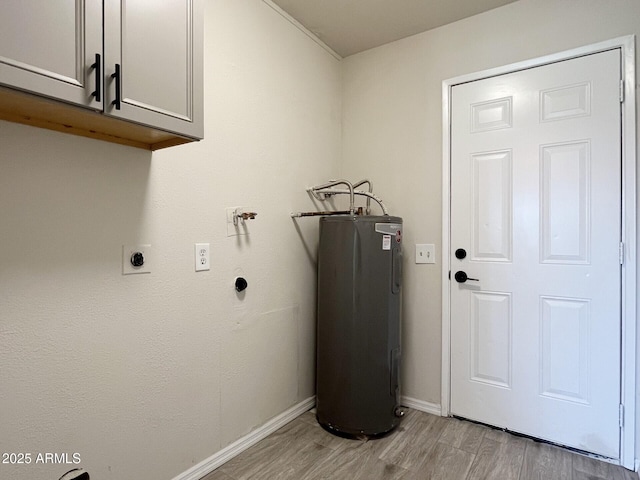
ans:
x=153 y=60
x=133 y=61
x=49 y=48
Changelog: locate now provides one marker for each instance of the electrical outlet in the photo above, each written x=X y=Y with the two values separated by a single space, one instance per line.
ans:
x=425 y=253
x=136 y=259
x=202 y=257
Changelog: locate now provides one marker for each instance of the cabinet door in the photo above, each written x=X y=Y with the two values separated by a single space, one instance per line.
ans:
x=48 y=48
x=156 y=47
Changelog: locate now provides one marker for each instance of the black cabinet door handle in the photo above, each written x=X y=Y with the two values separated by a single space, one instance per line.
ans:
x=97 y=66
x=118 y=79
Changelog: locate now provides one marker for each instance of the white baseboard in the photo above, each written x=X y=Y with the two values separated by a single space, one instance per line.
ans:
x=217 y=459
x=432 y=408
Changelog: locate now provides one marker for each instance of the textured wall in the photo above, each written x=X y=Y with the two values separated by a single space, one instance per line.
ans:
x=145 y=375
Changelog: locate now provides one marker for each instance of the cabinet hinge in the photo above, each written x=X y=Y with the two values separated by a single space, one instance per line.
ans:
x=621 y=253
x=621 y=416
x=621 y=91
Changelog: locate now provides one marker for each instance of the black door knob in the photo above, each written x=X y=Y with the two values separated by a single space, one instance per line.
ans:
x=462 y=277
x=461 y=253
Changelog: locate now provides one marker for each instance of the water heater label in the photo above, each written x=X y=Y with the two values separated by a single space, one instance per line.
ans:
x=388 y=228
x=386 y=242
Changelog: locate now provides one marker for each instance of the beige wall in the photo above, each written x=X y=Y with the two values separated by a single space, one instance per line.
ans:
x=146 y=375
x=392 y=132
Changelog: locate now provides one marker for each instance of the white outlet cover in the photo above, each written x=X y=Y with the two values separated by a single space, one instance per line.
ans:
x=202 y=258
x=425 y=253
x=127 y=253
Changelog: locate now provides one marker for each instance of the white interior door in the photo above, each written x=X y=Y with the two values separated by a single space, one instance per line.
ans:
x=536 y=207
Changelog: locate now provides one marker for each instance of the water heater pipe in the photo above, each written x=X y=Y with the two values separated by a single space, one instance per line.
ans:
x=320 y=214
x=355 y=192
x=333 y=183
x=362 y=182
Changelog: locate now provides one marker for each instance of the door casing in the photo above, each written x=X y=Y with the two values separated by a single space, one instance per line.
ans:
x=629 y=192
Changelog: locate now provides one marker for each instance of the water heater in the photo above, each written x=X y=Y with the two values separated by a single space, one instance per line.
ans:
x=358 y=329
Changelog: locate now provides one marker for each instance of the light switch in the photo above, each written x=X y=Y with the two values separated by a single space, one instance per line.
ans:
x=425 y=253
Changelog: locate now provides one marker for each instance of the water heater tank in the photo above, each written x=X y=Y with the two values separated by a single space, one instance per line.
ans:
x=358 y=330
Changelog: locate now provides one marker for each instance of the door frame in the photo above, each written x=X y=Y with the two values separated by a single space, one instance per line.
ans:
x=629 y=318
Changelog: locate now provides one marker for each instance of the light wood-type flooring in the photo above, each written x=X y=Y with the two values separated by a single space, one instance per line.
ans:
x=424 y=447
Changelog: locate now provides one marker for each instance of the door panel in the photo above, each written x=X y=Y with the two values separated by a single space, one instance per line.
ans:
x=491 y=338
x=163 y=66
x=48 y=48
x=492 y=219
x=565 y=348
x=565 y=201
x=536 y=200
x=159 y=54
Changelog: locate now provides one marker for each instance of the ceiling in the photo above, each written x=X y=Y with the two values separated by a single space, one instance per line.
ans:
x=351 y=26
